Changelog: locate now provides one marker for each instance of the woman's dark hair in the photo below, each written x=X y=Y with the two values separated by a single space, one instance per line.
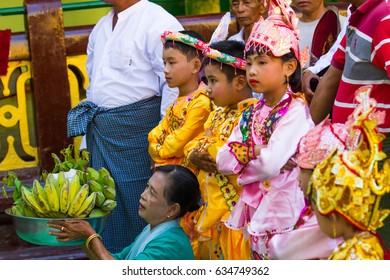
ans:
x=230 y=47
x=295 y=78
x=183 y=188
x=189 y=51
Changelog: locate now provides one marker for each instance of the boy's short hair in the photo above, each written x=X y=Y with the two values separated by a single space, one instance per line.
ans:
x=230 y=47
x=189 y=51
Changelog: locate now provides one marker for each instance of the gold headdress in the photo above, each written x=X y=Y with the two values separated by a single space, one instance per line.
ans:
x=349 y=182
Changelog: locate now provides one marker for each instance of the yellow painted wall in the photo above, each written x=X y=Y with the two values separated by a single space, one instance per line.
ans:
x=83 y=17
x=196 y=7
x=15 y=23
x=71 y=18
x=91 y=16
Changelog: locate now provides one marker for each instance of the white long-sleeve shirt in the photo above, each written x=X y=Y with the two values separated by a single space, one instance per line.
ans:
x=125 y=64
x=239 y=36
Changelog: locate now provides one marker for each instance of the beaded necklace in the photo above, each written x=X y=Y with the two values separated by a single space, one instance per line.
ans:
x=263 y=128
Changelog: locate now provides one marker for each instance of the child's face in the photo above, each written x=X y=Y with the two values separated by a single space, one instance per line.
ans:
x=219 y=88
x=303 y=179
x=332 y=224
x=265 y=74
x=327 y=224
x=177 y=69
x=324 y=222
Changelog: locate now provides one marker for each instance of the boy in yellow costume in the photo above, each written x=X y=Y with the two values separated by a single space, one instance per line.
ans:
x=184 y=119
x=346 y=188
x=228 y=89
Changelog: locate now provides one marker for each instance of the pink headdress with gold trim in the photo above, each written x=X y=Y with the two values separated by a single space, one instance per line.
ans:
x=320 y=142
x=326 y=137
x=277 y=33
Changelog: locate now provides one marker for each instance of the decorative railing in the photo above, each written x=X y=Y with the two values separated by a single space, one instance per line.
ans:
x=17 y=125
x=42 y=83
x=18 y=145
x=46 y=77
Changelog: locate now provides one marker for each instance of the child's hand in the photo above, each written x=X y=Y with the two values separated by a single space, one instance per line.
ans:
x=152 y=165
x=290 y=165
x=258 y=148
x=203 y=160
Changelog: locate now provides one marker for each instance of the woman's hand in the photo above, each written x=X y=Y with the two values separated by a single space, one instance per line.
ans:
x=80 y=230
x=71 y=229
x=203 y=160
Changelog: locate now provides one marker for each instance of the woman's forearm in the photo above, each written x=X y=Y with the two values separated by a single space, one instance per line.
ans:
x=97 y=251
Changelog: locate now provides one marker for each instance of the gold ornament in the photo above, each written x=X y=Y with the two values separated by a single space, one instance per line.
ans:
x=349 y=182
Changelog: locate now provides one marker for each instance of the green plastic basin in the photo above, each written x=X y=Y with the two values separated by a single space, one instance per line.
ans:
x=36 y=231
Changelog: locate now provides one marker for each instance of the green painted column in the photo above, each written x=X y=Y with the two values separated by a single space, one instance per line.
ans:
x=174 y=7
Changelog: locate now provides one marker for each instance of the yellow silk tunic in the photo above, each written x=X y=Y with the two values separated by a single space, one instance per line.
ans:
x=184 y=120
x=209 y=236
x=363 y=246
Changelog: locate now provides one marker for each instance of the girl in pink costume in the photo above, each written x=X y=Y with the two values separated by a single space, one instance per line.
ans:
x=268 y=133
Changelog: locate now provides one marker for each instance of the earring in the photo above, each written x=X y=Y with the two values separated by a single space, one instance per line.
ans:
x=168 y=216
x=287 y=79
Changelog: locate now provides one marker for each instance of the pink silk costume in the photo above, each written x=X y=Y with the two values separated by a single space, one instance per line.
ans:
x=306 y=242
x=183 y=122
x=271 y=201
x=209 y=237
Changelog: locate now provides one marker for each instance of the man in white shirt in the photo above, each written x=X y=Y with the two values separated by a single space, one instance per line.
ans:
x=311 y=73
x=126 y=98
x=311 y=13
